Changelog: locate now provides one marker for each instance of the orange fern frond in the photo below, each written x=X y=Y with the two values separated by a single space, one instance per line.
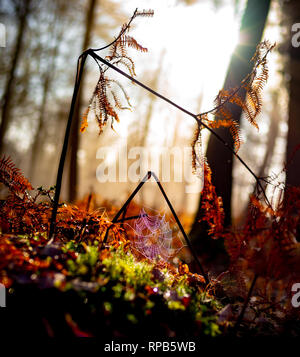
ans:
x=211 y=206
x=101 y=106
x=248 y=96
x=105 y=99
x=235 y=133
x=84 y=123
x=12 y=177
x=131 y=42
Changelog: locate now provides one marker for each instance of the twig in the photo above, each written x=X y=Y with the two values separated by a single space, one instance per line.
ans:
x=241 y=315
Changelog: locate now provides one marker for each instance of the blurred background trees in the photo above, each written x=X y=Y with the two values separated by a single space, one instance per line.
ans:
x=21 y=11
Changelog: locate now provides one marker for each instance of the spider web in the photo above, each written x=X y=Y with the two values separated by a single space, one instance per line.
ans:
x=153 y=237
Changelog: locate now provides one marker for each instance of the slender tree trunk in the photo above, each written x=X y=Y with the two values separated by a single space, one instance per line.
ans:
x=74 y=142
x=270 y=146
x=219 y=159
x=292 y=8
x=48 y=78
x=24 y=11
x=36 y=145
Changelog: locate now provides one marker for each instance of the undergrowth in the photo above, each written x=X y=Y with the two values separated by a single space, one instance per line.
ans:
x=72 y=285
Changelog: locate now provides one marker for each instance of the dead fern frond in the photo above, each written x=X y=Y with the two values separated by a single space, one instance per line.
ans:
x=131 y=42
x=105 y=97
x=211 y=206
x=126 y=62
x=235 y=133
x=12 y=177
x=101 y=106
x=118 y=102
x=119 y=85
x=248 y=97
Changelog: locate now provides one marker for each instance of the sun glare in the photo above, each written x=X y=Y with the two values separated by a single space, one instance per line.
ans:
x=197 y=42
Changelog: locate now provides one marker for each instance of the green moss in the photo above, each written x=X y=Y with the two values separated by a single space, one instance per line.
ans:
x=125 y=292
x=123 y=267
x=175 y=305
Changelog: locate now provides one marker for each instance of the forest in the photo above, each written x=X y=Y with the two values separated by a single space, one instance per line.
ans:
x=150 y=170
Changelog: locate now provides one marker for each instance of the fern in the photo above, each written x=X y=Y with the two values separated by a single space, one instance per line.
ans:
x=211 y=210
x=12 y=177
x=252 y=86
x=100 y=103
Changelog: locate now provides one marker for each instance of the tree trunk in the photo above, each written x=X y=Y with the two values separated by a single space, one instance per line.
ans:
x=36 y=145
x=47 y=82
x=219 y=158
x=292 y=8
x=23 y=12
x=74 y=137
x=270 y=146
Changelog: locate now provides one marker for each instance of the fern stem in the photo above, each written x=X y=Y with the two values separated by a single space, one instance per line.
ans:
x=79 y=72
x=120 y=34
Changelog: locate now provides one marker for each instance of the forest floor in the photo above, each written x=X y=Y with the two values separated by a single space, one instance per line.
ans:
x=127 y=283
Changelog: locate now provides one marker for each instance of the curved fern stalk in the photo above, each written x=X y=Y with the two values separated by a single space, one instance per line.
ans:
x=79 y=72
